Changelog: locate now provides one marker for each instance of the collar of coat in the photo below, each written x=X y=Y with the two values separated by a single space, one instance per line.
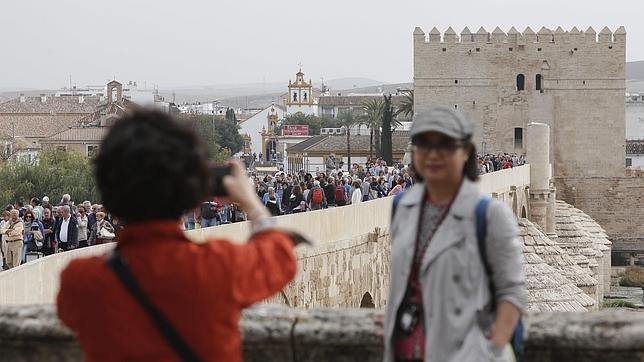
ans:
x=463 y=205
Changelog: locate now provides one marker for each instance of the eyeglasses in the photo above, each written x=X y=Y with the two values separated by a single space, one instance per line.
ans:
x=444 y=148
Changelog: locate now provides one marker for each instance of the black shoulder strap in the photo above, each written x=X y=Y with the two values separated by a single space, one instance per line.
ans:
x=118 y=266
x=481 y=234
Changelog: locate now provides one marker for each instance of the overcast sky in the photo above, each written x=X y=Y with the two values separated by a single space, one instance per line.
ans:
x=191 y=42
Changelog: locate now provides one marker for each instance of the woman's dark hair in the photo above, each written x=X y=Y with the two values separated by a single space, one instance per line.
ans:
x=151 y=167
x=31 y=214
x=297 y=190
x=470 y=170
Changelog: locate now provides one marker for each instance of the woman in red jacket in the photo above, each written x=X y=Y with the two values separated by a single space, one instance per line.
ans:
x=150 y=170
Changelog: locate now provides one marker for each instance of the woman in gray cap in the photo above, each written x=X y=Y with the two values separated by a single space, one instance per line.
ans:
x=446 y=301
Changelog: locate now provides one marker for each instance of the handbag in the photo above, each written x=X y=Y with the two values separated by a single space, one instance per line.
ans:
x=105 y=233
x=38 y=238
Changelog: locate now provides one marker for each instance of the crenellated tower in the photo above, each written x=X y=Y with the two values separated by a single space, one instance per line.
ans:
x=571 y=80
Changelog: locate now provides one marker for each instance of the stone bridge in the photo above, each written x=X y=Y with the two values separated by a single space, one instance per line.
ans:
x=348 y=266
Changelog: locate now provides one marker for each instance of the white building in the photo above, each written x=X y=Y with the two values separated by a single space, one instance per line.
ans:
x=253 y=126
x=635 y=116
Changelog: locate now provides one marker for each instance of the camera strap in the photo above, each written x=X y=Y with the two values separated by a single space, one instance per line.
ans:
x=118 y=265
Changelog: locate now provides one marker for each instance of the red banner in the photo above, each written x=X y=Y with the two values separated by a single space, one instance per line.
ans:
x=296 y=130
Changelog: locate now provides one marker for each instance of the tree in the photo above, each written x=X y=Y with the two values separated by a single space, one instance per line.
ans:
x=347 y=120
x=230 y=115
x=56 y=173
x=315 y=123
x=386 y=141
x=221 y=137
x=372 y=117
x=406 y=107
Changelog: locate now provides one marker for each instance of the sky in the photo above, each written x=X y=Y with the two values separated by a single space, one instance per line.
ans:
x=196 y=43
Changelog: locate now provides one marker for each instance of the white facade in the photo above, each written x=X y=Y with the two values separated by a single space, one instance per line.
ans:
x=636 y=161
x=253 y=126
x=635 y=117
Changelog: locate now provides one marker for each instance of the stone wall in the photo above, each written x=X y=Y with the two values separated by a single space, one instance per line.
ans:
x=616 y=203
x=581 y=95
x=279 y=334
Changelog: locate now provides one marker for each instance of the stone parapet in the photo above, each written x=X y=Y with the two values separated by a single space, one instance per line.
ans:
x=281 y=334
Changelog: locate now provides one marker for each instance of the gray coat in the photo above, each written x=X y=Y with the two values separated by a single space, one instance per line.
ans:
x=454 y=283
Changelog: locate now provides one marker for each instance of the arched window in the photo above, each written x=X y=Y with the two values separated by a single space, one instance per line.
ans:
x=537 y=82
x=520 y=82
x=367 y=301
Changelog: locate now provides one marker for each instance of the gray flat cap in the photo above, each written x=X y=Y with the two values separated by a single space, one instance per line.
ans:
x=442 y=120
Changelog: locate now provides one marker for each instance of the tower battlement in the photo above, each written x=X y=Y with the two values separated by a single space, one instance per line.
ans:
x=543 y=36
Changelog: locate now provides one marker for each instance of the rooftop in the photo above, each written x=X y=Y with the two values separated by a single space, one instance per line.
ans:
x=359 y=143
x=85 y=134
x=50 y=105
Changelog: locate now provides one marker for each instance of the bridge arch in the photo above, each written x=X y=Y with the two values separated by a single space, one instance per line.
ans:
x=367 y=301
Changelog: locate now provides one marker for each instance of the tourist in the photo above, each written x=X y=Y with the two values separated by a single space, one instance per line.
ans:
x=296 y=201
x=13 y=229
x=102 y=231
x=329 y=192
x=316 y=199
x=400 y=187
x=33 y=234
x=66 y=228
x=356 y=192
x=209 y=214
x=36 y=208
x=49 y=230
x=83 y=222
x=201 y=289
x=440 y=304
x=6 y=217
x=340 y=195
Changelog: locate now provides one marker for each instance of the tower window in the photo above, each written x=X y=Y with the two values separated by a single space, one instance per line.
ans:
x=520 y=82
x=444 y=49
x=455 y=81
x=510 y=49
x=537 y=82
x=538 y=49
x=294 y=97
x=518 y=138
x=304 y=97
x=478 y=49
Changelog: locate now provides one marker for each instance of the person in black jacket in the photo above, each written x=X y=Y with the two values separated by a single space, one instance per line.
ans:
x=49 y=227
x=329 y=192
x=296 y=199
x=66 y=229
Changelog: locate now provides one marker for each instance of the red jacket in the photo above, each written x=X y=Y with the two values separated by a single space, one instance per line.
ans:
x=200 y=289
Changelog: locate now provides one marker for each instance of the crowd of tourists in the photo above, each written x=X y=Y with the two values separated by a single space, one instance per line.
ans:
x=41 y=228
x=490 y=162
x=288 y=193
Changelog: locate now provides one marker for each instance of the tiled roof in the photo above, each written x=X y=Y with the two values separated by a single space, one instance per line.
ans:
x=345 y=101
x=635 y=147
x=334 y=143
x=52 y=105
x=36 y=126
x=86 y=134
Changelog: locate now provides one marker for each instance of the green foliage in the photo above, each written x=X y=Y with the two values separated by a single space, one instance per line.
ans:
x=372 y=118
x=386 y=142
x=220 y=136
x=406 y=107
x=230 y=115
x=55 y=174
x=347 y=120
x=633 y=277
x=619 y=304
x=314 y=122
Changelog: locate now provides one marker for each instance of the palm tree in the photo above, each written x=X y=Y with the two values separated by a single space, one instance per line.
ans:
x=347 y=120
x=372 y=118
x=406 y=107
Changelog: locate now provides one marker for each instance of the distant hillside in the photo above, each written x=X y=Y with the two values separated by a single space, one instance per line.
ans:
x=635 y=70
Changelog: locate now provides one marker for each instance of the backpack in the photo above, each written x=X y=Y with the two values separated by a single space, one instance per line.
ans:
x=317 y=196
x=340 y=195
x=481 y=231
